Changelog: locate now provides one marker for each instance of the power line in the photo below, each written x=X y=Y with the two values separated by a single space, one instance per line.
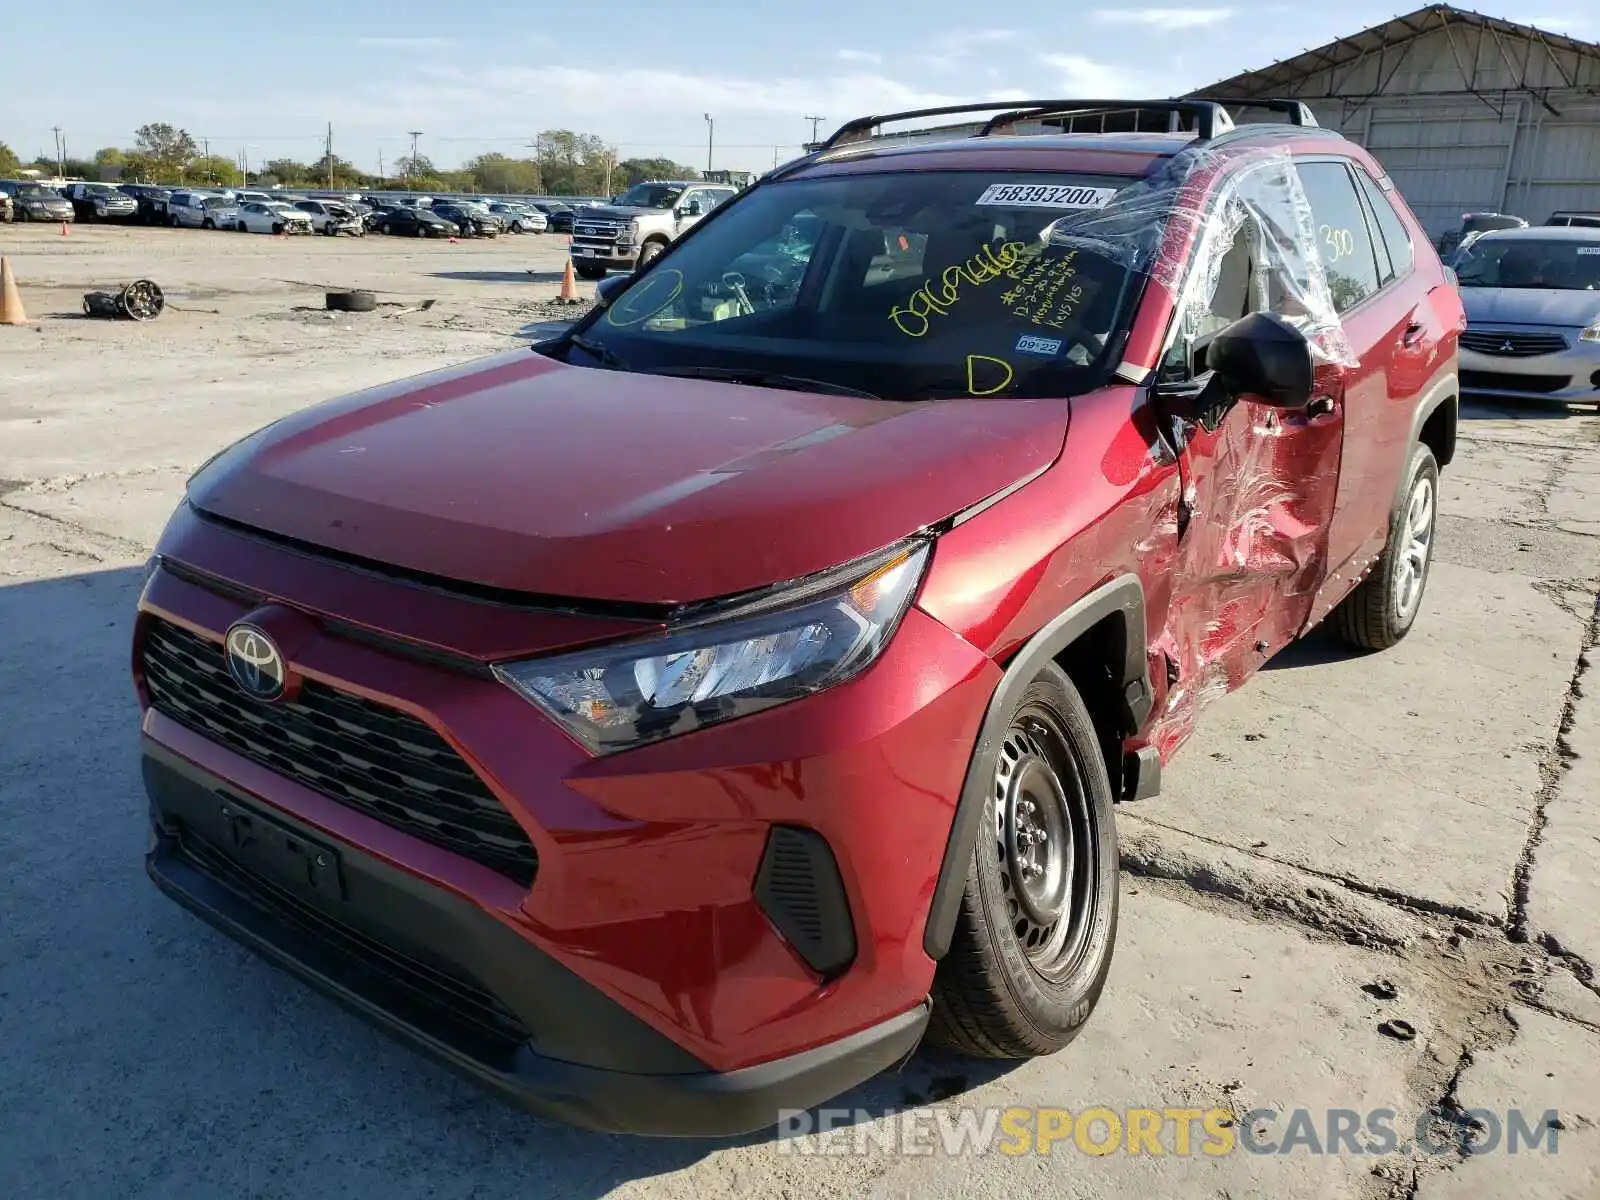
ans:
x=815 y=121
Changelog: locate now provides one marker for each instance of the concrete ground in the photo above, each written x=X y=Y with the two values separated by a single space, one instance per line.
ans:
x=1421 y=825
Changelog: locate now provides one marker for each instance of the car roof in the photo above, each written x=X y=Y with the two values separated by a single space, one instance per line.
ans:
x=1543 y=233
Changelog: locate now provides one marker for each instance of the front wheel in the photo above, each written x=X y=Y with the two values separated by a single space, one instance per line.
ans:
x=648 y=253
x=1038 y=919
x=1385 y=605
x=208 y=223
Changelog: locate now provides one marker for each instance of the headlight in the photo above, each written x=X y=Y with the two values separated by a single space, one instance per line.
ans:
x=1591 y=332
x=614 y=697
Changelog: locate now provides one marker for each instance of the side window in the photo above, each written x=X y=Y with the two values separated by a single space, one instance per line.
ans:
x=1343 y=239
x=1396 y=237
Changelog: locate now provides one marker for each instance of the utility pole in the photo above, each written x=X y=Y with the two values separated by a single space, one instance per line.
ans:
x=329 y=156
x=415 y=134
x=815 y=121
x=60 y=153
x=380 y=166
x=711 y=129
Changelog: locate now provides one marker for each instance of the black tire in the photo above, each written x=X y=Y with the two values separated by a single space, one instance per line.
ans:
x=356 y=302
x=421 y=230
x=1028 y=961
x=1384 y=606
x=648 y=253
x=241 y=227
x=23 y=216
x=172 y=219
x=208 y=223
x=589 y=271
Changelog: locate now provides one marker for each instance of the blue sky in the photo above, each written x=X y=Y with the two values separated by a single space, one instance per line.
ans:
x=486 y=76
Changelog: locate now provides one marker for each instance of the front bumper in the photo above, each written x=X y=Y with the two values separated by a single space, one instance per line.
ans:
x=1569 y=375
x=452 y=982
x=648 y=881
x=621 y=258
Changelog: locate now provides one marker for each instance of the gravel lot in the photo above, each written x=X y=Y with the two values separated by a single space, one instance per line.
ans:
x=1429 y=816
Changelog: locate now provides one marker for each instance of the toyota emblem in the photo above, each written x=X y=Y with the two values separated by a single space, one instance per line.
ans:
x=255 y=663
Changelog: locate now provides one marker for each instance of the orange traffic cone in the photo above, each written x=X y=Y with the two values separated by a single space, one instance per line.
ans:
x=63 y=229
x=453 y=241
x=10 y=300
x=569 y=285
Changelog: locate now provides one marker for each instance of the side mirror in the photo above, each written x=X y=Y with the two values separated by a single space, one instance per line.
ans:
x=606 y=290
x=1264 y=357
x=691 y=209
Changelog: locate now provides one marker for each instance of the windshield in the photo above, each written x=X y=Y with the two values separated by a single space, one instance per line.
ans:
x=1530 y=263
x=650 y=195
x=32 y=191
x=215 y=202
x=909 y=286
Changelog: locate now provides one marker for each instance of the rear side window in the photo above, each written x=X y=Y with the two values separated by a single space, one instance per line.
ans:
x=1343 y=238
x=1391 y=229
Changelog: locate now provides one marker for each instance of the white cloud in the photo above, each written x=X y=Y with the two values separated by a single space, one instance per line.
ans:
x=1080 y=76
x=406 y=43
x=1164 y=19
x=859 y=56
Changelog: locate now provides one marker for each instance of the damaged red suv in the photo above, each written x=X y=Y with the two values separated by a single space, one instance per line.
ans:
x=672 y=723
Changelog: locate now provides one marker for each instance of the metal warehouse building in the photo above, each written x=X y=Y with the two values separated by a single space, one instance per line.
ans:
x=1468 y=113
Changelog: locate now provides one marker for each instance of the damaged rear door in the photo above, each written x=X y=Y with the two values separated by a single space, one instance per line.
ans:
x=1259 y=482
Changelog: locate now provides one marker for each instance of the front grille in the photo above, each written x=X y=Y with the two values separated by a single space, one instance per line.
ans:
x=1512 y=345
x=448 y=994
x=372 y=758
x=1506 y=381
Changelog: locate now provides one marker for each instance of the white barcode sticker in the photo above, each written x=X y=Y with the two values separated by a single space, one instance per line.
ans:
x=1034 y=195
x=1589 y=249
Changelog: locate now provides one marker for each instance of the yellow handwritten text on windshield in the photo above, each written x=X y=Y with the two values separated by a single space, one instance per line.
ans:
x=995 y=375
x=938 y=298
x=1046 y=291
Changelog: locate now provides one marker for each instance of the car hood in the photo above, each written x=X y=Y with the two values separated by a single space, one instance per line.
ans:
x=1529 y=306
x=617 y=212
x=523 y=473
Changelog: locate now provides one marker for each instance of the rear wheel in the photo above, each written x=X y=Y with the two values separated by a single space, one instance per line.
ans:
x=1033 y=938
x=1385 y=605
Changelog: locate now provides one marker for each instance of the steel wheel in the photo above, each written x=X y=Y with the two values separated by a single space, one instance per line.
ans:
x=1042 y=831
x=1411 y=570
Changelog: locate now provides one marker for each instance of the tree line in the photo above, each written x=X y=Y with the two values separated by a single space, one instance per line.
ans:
x=564 y=163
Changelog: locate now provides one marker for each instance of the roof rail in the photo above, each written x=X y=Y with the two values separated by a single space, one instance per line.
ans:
x=1211 y=118
x=1296 y=110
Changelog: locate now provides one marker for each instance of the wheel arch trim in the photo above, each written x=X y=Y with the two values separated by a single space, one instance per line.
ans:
x=1121 y=597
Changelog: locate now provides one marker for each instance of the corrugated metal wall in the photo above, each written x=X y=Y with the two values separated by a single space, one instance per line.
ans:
x=1452 y=154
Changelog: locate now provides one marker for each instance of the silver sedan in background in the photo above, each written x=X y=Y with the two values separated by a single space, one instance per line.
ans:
x=1533 y=313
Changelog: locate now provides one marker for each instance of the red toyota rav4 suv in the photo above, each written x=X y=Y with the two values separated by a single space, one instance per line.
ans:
x=671 y=723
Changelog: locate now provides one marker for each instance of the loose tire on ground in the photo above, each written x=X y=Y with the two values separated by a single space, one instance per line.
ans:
x=1383 y=608
x=1033 y=939
x=357 y=302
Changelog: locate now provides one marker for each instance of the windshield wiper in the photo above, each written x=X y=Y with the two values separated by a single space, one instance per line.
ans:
x=597 y=350
x=771 y=379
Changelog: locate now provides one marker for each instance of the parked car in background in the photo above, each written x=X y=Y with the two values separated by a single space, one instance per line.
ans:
x=559 y=215
x=332 y=218
x=151 y=201
x=402 y=220
x=255 y=216
x=1474 y=224
x=824 y=757
x=100 y=202
x=5 y=207
x=32 y=201
x=646 y=219
x=1587 y=220
x=201 y=210
x=470 y=222
x=1533 y=313
x=520 y=218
